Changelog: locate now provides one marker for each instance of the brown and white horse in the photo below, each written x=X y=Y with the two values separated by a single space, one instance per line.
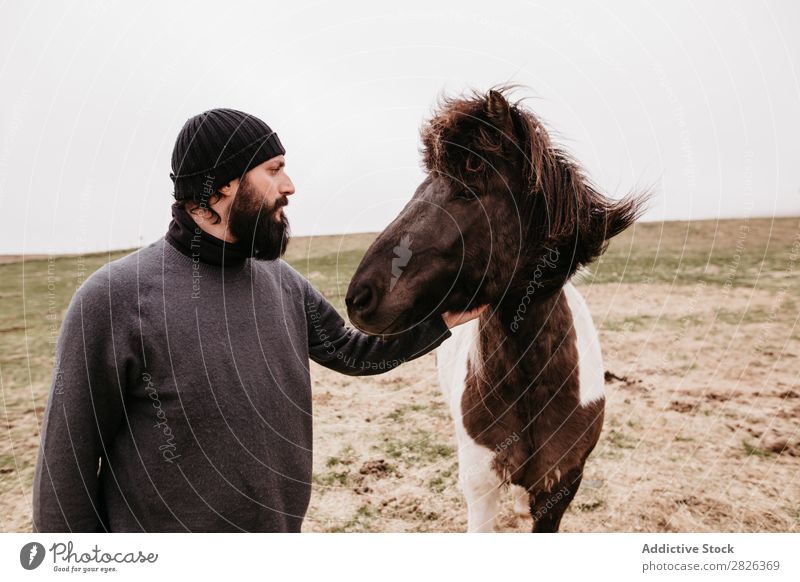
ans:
x=503 y=218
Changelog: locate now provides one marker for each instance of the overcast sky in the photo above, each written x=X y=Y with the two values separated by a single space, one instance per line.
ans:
x=700 y=100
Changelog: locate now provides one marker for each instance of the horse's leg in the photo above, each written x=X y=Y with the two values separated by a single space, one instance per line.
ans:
x=480 y=484
x=547 y=507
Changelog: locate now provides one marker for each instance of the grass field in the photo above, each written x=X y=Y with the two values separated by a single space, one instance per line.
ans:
x=699 y=326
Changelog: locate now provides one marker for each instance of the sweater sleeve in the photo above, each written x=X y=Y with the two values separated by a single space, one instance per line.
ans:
x=83 y=413
x=349 y=351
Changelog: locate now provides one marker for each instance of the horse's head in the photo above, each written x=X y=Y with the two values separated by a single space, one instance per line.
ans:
x=500 y=205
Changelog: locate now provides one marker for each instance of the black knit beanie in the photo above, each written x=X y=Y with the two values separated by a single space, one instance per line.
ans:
x=217 y=146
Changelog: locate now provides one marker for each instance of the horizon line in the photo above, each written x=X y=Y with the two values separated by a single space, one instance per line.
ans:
x=40 y=254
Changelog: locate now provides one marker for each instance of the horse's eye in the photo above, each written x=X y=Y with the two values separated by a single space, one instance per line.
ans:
x=465 y=194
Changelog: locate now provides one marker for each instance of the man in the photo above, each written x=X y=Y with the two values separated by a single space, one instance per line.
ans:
x=181 y=396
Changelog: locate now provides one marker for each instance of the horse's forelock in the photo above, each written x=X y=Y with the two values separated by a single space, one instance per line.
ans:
x=460 y=127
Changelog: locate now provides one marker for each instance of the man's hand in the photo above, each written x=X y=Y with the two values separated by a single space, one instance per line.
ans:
x=454 y=318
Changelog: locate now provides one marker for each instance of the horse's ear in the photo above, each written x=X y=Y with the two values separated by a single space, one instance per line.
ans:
x=497 y=109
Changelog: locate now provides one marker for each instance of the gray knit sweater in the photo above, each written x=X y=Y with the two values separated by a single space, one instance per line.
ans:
x=181 y=395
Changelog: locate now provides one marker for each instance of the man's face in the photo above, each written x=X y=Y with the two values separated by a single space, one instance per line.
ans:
x=256 y=216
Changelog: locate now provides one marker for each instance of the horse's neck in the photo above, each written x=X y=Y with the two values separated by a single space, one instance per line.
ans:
x=518 y=340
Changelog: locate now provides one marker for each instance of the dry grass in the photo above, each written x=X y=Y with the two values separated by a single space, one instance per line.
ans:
x=699 y=324
x=702 y=439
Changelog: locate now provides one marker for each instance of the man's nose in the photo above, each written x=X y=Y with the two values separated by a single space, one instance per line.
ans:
x=288 y=188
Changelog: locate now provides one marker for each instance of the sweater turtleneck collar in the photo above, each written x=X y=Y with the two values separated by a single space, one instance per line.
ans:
x=186 y=236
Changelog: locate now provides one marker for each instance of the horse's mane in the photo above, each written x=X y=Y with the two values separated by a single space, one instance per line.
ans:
x=559 y=206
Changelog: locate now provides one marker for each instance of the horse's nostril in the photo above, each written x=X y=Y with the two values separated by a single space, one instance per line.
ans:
x=361 y=299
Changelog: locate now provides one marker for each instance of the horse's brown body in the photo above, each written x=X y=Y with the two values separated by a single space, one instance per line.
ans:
x=523 y=390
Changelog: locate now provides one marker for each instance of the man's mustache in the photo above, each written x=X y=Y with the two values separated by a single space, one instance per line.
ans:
x=267 y=210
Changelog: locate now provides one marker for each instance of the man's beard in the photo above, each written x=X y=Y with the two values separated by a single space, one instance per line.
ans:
x=254 y=225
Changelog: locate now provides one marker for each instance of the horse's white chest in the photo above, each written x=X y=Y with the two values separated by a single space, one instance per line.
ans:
x=452 y=358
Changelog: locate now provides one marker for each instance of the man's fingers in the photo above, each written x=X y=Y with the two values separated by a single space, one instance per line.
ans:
x=478 y=310
x=454 y=318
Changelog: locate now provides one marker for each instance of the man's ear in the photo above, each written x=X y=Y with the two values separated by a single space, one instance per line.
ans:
x=230 y=188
